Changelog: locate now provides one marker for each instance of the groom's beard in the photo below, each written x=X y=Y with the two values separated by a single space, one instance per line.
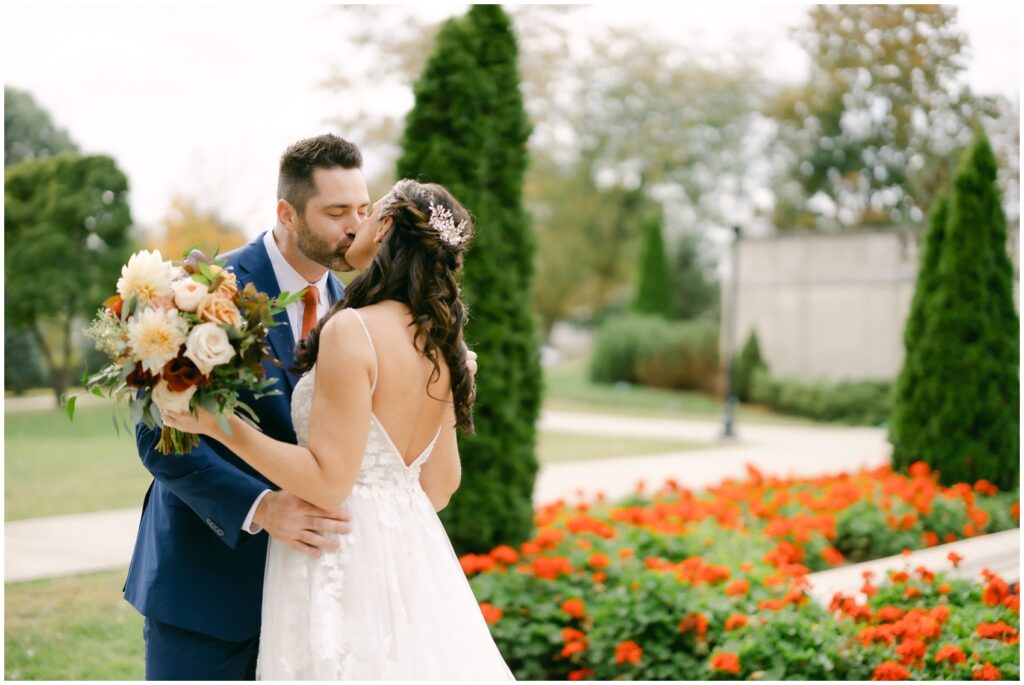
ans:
x=319 y=250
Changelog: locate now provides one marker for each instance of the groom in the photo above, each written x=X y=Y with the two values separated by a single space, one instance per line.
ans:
x=197 y=570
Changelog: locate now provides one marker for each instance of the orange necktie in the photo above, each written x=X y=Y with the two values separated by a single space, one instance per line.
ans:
x=310 y=298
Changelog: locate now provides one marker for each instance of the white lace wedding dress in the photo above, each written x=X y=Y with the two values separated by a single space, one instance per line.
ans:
x=392 y=603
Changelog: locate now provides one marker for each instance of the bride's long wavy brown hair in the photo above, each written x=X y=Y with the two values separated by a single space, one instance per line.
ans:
x=417 y=268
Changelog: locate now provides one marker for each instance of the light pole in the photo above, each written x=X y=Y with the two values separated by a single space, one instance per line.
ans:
x=730 y=338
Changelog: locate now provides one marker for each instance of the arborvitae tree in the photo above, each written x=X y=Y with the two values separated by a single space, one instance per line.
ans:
x=654 y=292
x=967 y=352
x=468 y=131
x=748 y=362
x=694 y=293
x=912 y=406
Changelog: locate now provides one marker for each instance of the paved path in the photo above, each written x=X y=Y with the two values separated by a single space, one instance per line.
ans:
x=65 y=545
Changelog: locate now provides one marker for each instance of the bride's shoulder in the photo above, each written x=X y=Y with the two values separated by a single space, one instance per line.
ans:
x=343 y=332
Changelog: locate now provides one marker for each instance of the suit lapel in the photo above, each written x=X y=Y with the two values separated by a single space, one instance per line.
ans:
x=335 y=288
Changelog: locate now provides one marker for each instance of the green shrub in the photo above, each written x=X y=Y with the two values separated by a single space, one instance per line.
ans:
x=860 y=403
x=746 y=364
x=651 y=351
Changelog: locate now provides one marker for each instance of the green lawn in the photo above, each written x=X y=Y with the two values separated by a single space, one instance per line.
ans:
x=76 y=628
x=55 y=466
x=558 y=447
x=567 y=387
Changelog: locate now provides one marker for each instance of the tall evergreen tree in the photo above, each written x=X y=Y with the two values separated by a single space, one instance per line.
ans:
x=468 y=131
x=967 y=353
x=654 y=292
x=912 y=405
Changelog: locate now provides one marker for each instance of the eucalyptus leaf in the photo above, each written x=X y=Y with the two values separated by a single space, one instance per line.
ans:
x=222 y=421
x=138 y=406
x=71 y=407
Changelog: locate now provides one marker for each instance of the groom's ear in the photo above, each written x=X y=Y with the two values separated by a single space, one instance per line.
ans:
x=286 y=214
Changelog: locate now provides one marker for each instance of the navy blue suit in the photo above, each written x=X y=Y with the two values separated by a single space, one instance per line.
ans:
x=195 y=575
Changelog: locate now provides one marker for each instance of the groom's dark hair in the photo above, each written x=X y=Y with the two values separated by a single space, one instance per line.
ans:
x=295 y=180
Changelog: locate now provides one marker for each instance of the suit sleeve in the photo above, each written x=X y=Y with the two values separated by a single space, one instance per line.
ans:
x=219 y=493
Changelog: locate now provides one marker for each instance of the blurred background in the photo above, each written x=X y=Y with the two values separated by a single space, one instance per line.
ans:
x=728 y=209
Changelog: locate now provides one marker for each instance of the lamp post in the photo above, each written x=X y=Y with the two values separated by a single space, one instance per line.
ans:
x=730 y=338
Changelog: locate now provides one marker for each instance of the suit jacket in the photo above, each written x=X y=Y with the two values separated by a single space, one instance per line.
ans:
x=193 y=565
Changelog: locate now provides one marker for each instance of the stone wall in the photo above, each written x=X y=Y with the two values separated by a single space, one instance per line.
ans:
x=832 y=306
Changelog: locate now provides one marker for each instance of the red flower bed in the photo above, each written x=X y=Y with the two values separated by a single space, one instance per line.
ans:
x=676 y=584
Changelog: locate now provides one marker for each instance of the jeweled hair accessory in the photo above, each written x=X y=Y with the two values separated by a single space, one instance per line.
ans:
x=443 y=222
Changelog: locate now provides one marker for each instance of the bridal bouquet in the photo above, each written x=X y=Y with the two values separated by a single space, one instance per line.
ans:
x=182 y=337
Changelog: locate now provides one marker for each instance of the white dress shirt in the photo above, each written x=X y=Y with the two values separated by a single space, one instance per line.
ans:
x=291 y=281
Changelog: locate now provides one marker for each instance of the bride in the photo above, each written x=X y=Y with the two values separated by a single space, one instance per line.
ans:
x=385 y=385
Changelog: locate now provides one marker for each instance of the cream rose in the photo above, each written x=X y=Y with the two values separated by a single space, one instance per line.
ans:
x=216 y=309
x=228 y=286
x=188 y=294
x=208 y=346
x=169 y=400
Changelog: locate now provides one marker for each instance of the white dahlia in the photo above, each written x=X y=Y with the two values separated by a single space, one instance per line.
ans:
x=146 y=276
x=154 y=336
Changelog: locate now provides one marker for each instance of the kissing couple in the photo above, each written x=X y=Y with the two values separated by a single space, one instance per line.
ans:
x=311 y=549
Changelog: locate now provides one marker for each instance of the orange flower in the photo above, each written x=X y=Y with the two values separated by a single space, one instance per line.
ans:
x=628 y=651
x=574 y=647
x=625 y=552
x=529 y=548
x=492 y=614
x=550 y=568
x=599 y=577
x=996 y=631
x=695 y=622
x=979 y=516
x=911 y=592
x=911 y=650
x=919 y=469
x=930 y=539
x=549 y=537
x=984 y=487
x=570 y=634
x=890 y=670
x=598 y=560
x=726 y=662
x=986 y=672
x=581 y=674
x=995 y=592
x=738 y=587
x=574 y=607
x=1015 y=510
x=832 y=556
x=955 y=559
x=504 y=554
x=889 y=614
x=1012 y=602
x=950 y=653
x=944 y=589
x=735 y=621
x=869 y=590
x=899 y=576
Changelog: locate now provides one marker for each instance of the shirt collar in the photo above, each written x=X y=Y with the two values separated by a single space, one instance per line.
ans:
x=288 y=278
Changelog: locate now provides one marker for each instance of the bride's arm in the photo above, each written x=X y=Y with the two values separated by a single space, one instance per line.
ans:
x=322 y=473
x=441 y=473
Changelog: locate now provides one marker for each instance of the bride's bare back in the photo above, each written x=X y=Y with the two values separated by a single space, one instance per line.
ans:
x=401 y=402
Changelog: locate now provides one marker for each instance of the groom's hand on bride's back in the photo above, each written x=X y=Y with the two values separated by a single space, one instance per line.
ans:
x=299 y=524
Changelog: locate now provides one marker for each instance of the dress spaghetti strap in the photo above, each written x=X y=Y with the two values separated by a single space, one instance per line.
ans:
x=373 y=350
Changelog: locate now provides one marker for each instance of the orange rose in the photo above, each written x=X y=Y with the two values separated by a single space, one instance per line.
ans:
x=216 y=309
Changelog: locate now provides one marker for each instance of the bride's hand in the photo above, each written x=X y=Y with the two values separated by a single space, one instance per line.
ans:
x=204 y=423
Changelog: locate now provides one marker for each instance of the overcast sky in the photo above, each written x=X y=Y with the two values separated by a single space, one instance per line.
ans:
x=202 y=100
